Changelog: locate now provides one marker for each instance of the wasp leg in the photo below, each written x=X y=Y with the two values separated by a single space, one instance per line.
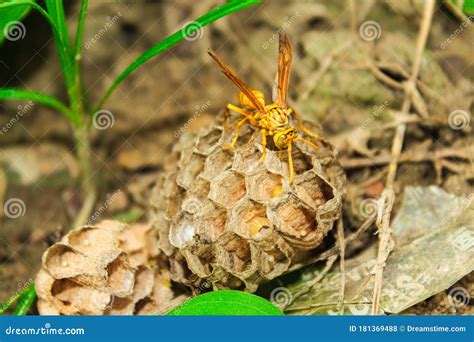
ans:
x=243 y=112
x=264 y=145
x=236 y=136
x=226 y=115
x=290 y=164
x=300 y=124
x=307 y=142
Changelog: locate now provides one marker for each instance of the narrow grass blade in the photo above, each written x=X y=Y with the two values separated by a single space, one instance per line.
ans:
x=26 y=301
x=66 y=58
x=76 y=93
x=20 y=94
x=211 y=16
x=80 y=28
x=56 y=11
x=10 y=301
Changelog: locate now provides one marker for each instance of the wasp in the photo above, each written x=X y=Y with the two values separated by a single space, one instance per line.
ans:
x=273 y=120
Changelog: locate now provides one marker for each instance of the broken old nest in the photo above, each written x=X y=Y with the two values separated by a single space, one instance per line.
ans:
x=106 y=269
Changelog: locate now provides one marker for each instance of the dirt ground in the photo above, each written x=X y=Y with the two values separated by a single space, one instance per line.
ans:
x=351 y=85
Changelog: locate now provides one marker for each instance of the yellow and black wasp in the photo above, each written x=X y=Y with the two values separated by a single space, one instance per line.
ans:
x=274 y=119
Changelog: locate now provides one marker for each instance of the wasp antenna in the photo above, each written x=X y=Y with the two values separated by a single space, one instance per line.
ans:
x=216 y=58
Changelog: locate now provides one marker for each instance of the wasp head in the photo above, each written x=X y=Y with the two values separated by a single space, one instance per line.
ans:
x=285 y=137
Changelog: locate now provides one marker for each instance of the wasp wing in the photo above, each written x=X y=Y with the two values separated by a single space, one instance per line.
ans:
x=284 y=65
x=275 y=88
x=237 y=81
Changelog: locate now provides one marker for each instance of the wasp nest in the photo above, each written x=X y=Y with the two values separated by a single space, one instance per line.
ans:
x=109 y=268
x=226 y=220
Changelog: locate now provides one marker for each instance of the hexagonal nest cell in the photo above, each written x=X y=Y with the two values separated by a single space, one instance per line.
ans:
x=248 y=219
x=236 y=254
x=211 y=221
x=208 y=141
x=216 y=164
x=228 y=189
x=264 y=186
x=251 y=224
x=295 y=220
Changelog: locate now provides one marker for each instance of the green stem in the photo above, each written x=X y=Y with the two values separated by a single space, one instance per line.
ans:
x=82 y=134
x=87 y=181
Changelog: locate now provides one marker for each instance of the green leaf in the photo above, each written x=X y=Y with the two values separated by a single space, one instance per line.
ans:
x=211 y=16
x=467 y=6
x=10 y=19
x=20 y=94
x=226 y=303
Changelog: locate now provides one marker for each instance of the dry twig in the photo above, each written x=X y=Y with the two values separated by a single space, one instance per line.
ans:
x=388 y=195
x=342 y=254
x=409 y=157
